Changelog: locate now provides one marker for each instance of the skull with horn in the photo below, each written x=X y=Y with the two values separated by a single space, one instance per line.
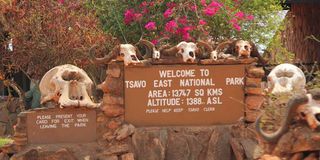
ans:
x=304 y=106
x=124 y=52
x=186 y=50
x=213 y=54
x=151 y=50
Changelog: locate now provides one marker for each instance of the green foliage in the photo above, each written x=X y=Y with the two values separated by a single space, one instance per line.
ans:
x=4 y=141
x=274 y=110
x=278 y=53
x=219 y=26
x=313 y=76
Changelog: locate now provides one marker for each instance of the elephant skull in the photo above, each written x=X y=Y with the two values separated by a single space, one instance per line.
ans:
x=286 y=78
x=67 y=85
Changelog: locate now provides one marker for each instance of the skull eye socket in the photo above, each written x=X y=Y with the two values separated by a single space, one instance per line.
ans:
x=317 y=116
x=246 y=47
x=182 y=50
x=191 y=54
x=302 y=114
x=134 y=57
x=121 y=54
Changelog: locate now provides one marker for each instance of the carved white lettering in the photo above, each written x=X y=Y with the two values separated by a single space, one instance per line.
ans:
x=152 y=110
x=213 y=100
x=235 y=81
x=43 y=116
x=214 y=91
x=164 y=102
x=177 y=73
x=162 y=83
x=136 y=84
x=157 y=94
x=196 y=82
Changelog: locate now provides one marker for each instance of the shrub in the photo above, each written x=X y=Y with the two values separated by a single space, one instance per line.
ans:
x=188 y=19
x=49 y=33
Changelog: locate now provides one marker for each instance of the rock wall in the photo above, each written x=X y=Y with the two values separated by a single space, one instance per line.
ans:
x=118 y=140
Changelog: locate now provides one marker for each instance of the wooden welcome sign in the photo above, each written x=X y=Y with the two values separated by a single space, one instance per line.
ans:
x=164 y=95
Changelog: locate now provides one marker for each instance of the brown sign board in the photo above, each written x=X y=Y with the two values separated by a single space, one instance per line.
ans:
x=171 y=95
x=61 y=126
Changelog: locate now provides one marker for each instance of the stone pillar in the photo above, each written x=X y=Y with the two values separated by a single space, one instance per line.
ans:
x=115 y=132
x=20 y=139
x=254 y=93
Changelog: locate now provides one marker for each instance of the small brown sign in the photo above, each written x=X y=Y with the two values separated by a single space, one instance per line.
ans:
x=61 y=126
x=184 y=94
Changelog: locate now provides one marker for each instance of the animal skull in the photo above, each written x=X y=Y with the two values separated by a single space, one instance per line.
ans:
x=243 y=48
x=286 y=78
x=213 y=54
x=187 y=50
x=67 y=85
x=128 y=54
x=218 y=53
x=306 y=106
x=152 y=51
x=291 y=109
x=123 y=52
x=310 y=112
x=156 y=54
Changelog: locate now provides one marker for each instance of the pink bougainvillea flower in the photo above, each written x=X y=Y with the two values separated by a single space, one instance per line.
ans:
x=203 y=2
x=171 y=26
x=145 y=11
x=233 y=20
x=129 y=16
x=215 y=4
x=236 y=26
x=154 y=41
x=187 y=28
x=144 y=4
x=137 y=16
x=171 y=4
x=168 y=13
x=186 y=36
x=210 y=11
x=194 y=8
x=184 y=32
x=239 y=15
x=61 y=1
x=150 y=26
x=250 y=17
x=202 y=22
x=183 y=20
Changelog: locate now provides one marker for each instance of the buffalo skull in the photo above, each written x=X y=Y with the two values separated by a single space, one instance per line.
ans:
x=243 y=48
x=304 y=106
x=186 y=50
x=310 y=112
x=123 y=52
x=152 y=51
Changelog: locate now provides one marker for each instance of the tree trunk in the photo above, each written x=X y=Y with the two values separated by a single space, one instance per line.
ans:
x=304 y=21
